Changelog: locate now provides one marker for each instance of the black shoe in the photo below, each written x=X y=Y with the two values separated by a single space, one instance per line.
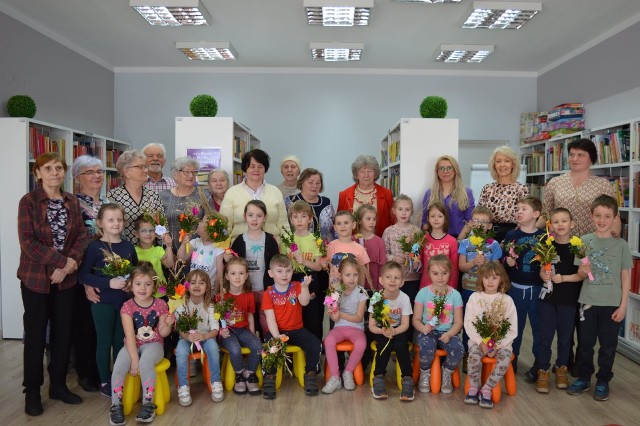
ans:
x=105 y=390
x=64 y=395
x=89 y=385
x=531 y=375
x=269 y=387
x=32 y=403
x=310 y=384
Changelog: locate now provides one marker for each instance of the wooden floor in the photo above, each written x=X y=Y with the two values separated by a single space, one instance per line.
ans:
x=343 y=407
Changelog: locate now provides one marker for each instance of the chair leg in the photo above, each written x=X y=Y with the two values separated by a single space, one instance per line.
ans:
x=455 y=377
x=259 y=375
x=327 y=373
x=129 y=394
x=279 y=378
x=467 y=385
x=510 y=381
x=159 y=397
x=416 y=365
x=206 y=374
x=373 y=368
x=229 y=373
x=358 y=374
x=398 y=374
x=299 y=366
x=436 y=374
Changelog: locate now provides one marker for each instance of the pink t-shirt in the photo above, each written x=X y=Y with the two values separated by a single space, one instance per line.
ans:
x=145 y=320
x=446 y=245
x=335 y=247
x=377 y=258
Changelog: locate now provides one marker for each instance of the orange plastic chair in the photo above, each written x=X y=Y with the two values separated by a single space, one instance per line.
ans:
x=436 y=370
x=206 y=376
x=488 y=364
x=358 y=373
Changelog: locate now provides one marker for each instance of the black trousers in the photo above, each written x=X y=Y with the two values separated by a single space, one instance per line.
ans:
x=597 y=324
x=56 y=307
x=313 y=313
x=84 y=337
x=398 y=344
x=310 y=344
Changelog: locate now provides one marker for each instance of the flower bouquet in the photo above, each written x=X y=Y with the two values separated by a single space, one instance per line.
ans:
x=576 y=246
x=274 y=354
x=288 y=239
x=188 y=223
x=115 y=266
x=492 y=325
x=439 y=301
x=333 y=296
x=158 y=219
x=188 y=323
x=479 y=237
x=222 y=309
x=381 y=311
x=320 y=243
x=513 y=250
x=413 y=246
x=546 y=254
x=216 y=228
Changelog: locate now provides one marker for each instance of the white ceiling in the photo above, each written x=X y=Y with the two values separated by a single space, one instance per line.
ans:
x=274 y=33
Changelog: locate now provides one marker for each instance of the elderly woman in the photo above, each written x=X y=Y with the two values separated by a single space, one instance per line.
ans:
x=255 y=164
x=52 y=241
x=501 y=196
x=366 y=171
x=88 y=173
x=576 y=189
x=218 y=185
x=447 y=188
x=310 y=183
x=134 y=198
x=185 y=195
x=290 y=169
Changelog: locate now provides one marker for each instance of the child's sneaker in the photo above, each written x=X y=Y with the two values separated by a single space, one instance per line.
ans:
x=485 y=402
x=116 y=415
x=542 y=384
x=602 y=391
x=562 y=377
x=531 y=375
x=269 y=387
x=217 y=392
x=424 y=384
x=310 y=384
x=447 y=386
x=184 y=396
x=105 y=389
x=240 y=387
x=407 y=393
x=332 y=385
x=379 y=389
x=348 y=382
x=471 y=398
x=252 y=383
x=578 y=387
x=147 y=413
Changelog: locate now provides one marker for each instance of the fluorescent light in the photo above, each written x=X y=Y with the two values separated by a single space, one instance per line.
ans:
x=334 y=52
x=172 y=12
x=472 y=53
x=427 y=1
x=338 y=13
x=501 y=15
x=207 y=50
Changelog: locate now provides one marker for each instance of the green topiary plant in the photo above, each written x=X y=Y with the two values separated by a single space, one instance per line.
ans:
x=203 y=106
x=21 y=106
x=433 y=107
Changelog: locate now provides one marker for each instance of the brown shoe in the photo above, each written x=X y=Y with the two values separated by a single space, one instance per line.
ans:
x=542 y=384
x=562 y=377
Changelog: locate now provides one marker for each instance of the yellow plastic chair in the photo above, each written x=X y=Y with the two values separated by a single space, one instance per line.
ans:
x=229 y=375
x=161 y=396
x=374 y=348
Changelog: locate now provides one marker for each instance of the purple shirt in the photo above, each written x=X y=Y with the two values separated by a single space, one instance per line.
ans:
x=457 y=217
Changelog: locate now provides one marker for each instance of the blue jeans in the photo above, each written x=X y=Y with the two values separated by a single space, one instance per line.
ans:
x=182 y=359
x=526 y=302
x=428 y=344
x=238 y=338
x=560 y=318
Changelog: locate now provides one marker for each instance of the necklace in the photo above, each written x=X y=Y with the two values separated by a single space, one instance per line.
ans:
x=364 y=197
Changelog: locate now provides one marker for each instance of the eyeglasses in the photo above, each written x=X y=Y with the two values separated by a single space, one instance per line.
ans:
x=139 y=166
x=187 y=173
x=445 y=169
x=92 y=173
x=481 y=222
x=146 y=231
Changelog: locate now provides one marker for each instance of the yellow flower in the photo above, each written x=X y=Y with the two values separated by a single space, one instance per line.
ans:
x=549 y=241
x=386 y=310
x=475 y=240
x=216 y=316
x=575 y=241
x=319 y=242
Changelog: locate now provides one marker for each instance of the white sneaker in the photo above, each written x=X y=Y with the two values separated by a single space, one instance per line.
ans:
x=348 y=381
x=193 y=368
x=332 y=385
x=447 y=386
x=424 y=384
x=184 y=396
x=217 y=392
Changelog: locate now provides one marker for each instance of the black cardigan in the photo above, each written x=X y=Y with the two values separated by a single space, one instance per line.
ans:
x=270 y=249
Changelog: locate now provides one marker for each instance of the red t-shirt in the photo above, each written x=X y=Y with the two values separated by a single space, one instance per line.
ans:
x=285 y=306
x=243 y=306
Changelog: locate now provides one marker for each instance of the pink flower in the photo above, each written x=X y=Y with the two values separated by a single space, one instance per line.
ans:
x=273 y=349
x=162 y=290
x=490 y=241
x=195 y=211
x=294 y=248
x=187 y=284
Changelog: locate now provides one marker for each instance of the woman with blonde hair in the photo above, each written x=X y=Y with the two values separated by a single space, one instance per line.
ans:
x=447 y=188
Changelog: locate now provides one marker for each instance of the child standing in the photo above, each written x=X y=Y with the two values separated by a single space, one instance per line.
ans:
x=348 y=317
x=558 y=309
x=437 y=316
x=437 y=241
x=148 y=252
x=367 y=218
x=257 y=247
x=493 y=284
x=403 y=229
x=603 y=301
x=344 y=225
x=524 y=274
x=282 y=304
x=204 y=254
x=395 y=337
x=106 y=313
x=241 y=328
x=198 y=298
x=145 y=321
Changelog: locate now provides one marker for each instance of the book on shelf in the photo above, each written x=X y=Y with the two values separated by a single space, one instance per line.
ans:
x=534 y=161
x=40 y=143
x=394 y=152
x=635 y=276
x=620 y=186
x=636 y=147
x=237 y=176
x=613 y=147
x=636 y=191
x=384 y=158
x=239 y=147
x=86 y=148
x=112 y=156
x=536 y=190
x=112 y=181
x=557 y=157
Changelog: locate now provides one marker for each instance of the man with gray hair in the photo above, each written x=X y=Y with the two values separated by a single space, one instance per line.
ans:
x=156 y=157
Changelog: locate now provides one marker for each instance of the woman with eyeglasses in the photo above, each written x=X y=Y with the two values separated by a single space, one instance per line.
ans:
x=183 y=197
x=134 y=198
x=447 y=188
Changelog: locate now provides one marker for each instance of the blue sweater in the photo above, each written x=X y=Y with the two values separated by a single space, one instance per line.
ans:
x=525 y=272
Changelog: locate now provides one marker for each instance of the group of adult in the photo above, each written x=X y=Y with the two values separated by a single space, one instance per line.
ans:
x=55 y=226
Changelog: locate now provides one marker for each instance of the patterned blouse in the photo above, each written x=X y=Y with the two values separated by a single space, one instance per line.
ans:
x=132 y=210
x=174 y=206
x=57 y=220
x=502 y=200
x=323 y=215
x=89 y=209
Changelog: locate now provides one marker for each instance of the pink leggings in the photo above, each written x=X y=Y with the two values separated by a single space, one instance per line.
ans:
x=337 y=335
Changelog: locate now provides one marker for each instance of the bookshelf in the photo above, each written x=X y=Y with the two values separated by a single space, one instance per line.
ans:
x=408 y=153
x=618 y=147
x=233 y=138
x=27 y=140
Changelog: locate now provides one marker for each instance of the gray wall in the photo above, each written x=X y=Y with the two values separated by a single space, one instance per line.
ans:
x=326 y=119
x=68 y=89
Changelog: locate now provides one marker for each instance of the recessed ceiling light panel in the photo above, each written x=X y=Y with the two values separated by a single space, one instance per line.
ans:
x=471 y=53
x=336 y=52
x=338 y=13
x=172 y=12
x=427 y=1
x=206 y=50
x=501 y=15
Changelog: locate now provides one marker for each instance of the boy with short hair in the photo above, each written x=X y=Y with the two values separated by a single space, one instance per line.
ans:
x=282 y=305
x=603 y=301
x=524 y=274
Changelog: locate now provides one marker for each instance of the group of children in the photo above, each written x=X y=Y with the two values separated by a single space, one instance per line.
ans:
x=284 y=285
